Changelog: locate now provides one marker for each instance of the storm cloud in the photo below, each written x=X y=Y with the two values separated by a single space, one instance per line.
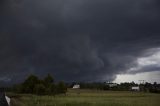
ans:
x=76 y=40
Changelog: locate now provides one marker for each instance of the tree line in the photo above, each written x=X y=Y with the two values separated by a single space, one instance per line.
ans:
x=35 y=85
x=146 y=87
x=47 y=86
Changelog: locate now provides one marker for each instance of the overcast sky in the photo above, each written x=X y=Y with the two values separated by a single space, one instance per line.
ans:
x=80 y=40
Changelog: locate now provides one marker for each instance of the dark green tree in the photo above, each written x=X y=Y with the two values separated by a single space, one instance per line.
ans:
x=48 y=80
x=34 y=85
x=29 y=84
x=53 y=89
x=39 y=89
x=61 y=88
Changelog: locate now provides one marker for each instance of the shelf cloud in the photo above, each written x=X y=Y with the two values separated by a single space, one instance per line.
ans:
x=77 y=40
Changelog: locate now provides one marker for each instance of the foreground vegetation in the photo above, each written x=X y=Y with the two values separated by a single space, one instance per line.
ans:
x=35 y=85
x=36 y=91
x=88 y=98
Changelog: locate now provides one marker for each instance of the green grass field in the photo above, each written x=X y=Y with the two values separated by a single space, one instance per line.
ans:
x=90 y=98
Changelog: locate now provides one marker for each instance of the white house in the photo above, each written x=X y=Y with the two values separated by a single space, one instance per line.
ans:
x=76 y=86
x=135 y=88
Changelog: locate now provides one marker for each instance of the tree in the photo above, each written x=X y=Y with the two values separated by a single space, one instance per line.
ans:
x=52 y=89
x=30 y=83
x=61 y=88
x=34 y=85
x=48 y=80
x=39 y=89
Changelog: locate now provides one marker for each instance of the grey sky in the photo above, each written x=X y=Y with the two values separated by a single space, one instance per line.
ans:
x=78 y=40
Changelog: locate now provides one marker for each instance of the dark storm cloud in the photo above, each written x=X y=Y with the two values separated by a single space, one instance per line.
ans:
x=81 y=40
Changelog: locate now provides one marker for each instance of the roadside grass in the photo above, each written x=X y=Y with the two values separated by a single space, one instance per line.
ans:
x=90 y=98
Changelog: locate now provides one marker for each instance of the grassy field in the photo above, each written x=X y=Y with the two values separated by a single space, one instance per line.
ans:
x=89 y=98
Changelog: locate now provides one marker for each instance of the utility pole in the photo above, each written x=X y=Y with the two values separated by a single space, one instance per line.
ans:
x=141 y=81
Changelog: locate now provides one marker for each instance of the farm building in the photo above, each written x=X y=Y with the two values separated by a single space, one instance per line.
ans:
x=77 y=86
x=112 y=84
x=135 y=88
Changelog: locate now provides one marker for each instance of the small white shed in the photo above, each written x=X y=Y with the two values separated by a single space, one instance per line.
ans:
x=112 y=84
x=135 y=88
x=77 y=86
